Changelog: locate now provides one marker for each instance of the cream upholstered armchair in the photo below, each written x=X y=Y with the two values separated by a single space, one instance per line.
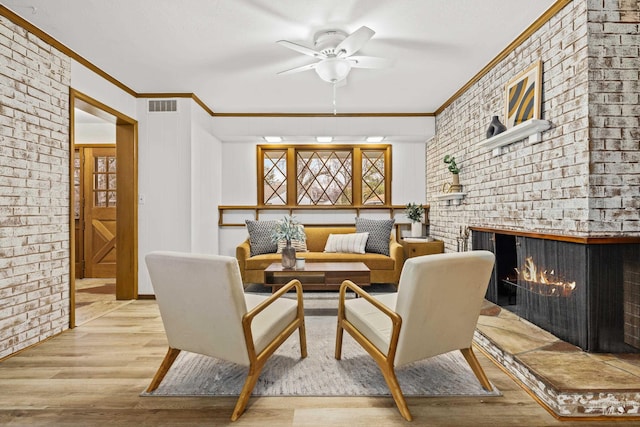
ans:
x=435 y=311
x=204 y=310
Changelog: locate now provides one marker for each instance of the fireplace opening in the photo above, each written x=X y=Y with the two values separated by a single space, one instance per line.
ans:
x=506 y=271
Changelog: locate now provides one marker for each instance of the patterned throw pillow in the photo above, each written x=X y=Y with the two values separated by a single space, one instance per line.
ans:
x=379 y=233
x=260 y=237
x=347 y=243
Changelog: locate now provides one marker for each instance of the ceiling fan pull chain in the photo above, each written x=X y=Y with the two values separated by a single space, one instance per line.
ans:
x=334 y=98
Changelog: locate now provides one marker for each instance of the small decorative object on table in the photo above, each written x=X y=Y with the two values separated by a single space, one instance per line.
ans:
x=288 y=229
x=495 y=127
x=415 y=212
x=455 y=186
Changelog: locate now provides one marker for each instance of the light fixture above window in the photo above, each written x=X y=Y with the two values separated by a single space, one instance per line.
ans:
x=375 y=138
x=273 y=138
x=324 y=138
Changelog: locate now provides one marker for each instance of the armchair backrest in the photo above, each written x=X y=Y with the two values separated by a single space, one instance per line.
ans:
x=439 y=299
x=201 y=301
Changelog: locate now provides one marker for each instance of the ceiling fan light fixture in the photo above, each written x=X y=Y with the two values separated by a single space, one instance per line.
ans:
x=333 y=70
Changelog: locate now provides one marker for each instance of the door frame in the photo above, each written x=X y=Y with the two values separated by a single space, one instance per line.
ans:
x=126 y=199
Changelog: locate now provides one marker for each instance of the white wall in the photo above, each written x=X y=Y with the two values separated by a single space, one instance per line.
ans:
x=89 y=83
x=95 y=133
x=179 y=171
x=206 y=181
x=418 y=128
x=164 y=183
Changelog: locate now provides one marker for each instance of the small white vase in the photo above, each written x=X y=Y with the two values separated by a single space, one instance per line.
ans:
x=416 y=229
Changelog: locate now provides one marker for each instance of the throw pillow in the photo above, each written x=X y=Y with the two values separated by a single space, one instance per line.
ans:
x=298 y=245
x=379 y=233
x=260 y=237
x=347 y=243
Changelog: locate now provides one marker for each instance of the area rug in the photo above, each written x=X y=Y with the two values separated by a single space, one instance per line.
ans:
x=320 y=374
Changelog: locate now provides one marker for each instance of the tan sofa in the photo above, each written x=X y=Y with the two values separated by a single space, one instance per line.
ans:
x=384 y=269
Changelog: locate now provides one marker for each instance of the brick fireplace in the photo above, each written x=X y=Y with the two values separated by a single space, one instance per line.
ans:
x=585 y=291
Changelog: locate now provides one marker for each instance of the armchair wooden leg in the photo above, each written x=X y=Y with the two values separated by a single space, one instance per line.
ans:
x=392 y=382
x=339 y=333
x=476 y=368
x=168 y=360
x=245 y=394
x=302 y=331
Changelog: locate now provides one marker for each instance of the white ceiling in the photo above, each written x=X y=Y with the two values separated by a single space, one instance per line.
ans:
x=225 y=51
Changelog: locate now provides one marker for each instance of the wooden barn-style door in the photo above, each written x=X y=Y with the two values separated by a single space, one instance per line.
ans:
x=96 y=212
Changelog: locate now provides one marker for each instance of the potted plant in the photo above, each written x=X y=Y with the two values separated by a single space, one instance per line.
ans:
x=415 y=213
x=288 y=229
x=455 y=170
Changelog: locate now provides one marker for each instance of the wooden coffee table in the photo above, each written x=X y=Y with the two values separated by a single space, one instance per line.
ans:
x=317 y=276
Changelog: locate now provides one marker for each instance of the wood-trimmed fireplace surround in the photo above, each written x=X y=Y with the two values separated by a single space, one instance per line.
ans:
x=590 y=290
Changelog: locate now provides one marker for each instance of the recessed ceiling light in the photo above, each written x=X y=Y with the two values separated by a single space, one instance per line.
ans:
x=324 y=138
x=273 y=138
x=375 y=138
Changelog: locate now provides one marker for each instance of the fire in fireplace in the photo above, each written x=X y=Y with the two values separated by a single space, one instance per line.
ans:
x=543 y=282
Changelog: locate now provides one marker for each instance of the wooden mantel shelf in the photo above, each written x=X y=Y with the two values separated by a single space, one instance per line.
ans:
x=531 y=129
x=598 y=240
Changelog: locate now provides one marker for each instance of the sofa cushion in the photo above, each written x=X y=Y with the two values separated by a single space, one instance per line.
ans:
x=260 y=237
x=349 y=243
x=317 y=235
x=379 y=233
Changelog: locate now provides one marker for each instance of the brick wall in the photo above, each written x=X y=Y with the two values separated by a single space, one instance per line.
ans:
x=614 y=114
x=34 y=189
x=564 y=184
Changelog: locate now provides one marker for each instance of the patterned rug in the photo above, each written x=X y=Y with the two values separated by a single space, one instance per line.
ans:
x=320 y=374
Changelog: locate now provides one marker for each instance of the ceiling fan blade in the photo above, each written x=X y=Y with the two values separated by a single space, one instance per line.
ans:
x=301 y=49
x=299 y=69
x=369 y=62
x=354 y=42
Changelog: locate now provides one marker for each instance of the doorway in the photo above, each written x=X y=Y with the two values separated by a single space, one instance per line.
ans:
x=104 y=210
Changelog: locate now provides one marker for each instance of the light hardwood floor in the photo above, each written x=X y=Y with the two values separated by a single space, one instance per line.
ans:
x=95 y=298
x=93 y=375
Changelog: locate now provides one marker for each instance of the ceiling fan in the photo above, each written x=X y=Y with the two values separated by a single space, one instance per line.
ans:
x=335 y=49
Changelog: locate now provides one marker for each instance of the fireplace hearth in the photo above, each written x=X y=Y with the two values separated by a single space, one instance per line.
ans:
x=584 y=291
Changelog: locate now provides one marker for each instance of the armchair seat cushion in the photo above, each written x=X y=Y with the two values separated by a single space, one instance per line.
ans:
x=272 y=320
x=370 y=321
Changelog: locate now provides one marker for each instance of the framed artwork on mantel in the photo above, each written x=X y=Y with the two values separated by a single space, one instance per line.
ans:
x=523 y=96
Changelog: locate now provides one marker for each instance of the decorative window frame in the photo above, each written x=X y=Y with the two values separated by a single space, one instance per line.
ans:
x=291 y=174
